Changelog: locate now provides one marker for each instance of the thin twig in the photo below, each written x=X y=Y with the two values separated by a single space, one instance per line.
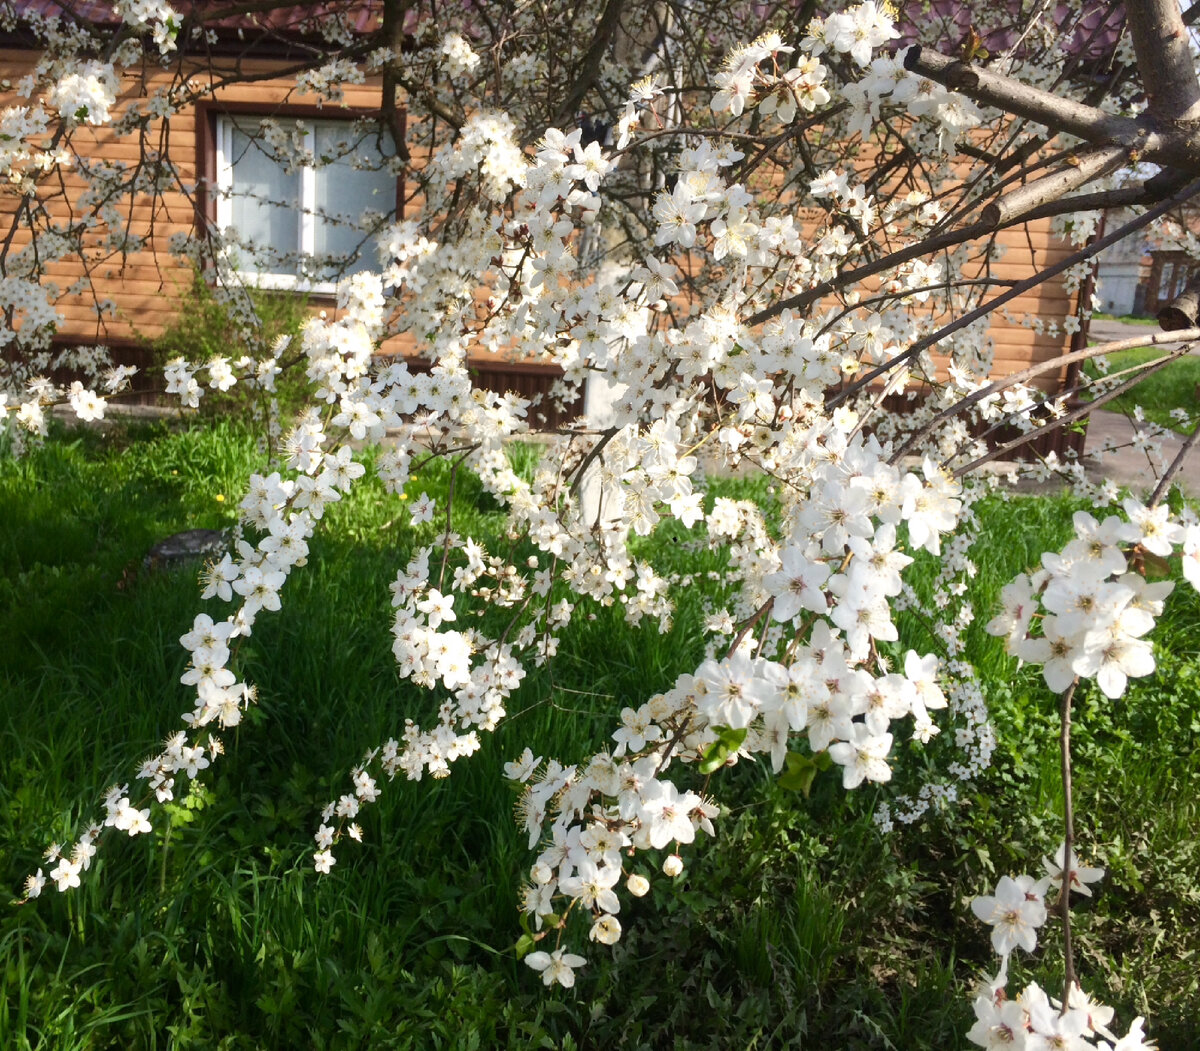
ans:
x=758 y=615
x=1164 y=483
x=1137 y=342
x=1064 y=901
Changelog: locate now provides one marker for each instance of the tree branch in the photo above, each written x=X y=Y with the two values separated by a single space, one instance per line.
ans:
x=1170 y=142
x=1021 y=100
x=1077 y=414
x=1164 y=59
x=1164 y=483
x=1184 y=310
x=1145 y=219
x=1080 y=168
x=1187 y=336
x=589 y=68
x=1151 y=192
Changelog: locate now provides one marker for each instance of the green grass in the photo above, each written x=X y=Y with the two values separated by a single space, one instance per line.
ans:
x=1172 y=387
x=801 y=926
x=1128 y=319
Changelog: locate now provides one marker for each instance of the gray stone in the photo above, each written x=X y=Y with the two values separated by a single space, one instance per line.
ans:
x=186 y=546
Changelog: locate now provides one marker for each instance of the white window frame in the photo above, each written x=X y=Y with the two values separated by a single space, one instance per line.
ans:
x=306 y=226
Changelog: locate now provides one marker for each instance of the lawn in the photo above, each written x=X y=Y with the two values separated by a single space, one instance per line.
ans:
x=1128 y=319
x=800 y=925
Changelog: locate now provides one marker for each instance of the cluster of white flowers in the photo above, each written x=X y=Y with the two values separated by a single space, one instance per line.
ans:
x=857 y=32
x=739 y=73
x=164 y=21
x=1032 y=1020
x=817 y=604
x=460 y=58
x=487 y=145
x=328 y=81
x=86 y=95
x=1092 y=610
x=22 y=153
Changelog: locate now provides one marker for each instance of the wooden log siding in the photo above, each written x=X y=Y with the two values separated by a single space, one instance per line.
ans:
x=144 y=286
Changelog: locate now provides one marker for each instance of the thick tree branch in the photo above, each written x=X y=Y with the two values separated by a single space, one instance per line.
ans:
x=589 y=68
x=1173 y=143
x=1080 y=169
x=1183 y=310
x=1160 y=41
x=994 y=89
x=390 y=109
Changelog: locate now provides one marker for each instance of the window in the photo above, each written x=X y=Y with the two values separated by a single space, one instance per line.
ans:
x=300 y=201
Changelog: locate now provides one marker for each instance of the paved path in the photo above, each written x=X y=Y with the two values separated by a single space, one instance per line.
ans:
x=1110 y=331
x=1130 y=465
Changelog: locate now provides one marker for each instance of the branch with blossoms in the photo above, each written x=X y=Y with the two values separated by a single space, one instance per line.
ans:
x=1031 y=1019
x=1093 y=610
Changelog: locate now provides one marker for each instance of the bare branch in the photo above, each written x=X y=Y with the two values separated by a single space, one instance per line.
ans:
x=1164 y=483
x=1079 y=169
x=1021 y=100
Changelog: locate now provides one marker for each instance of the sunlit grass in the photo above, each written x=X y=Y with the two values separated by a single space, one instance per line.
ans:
x=803 y=918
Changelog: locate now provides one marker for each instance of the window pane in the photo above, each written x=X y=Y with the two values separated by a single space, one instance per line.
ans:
x=265 y=201
x=349 y=188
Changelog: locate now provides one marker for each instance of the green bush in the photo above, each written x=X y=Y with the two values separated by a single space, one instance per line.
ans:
x=233 y=323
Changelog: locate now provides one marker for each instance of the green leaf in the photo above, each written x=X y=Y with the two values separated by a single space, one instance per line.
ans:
x=717 y=754
x=802 y=770
x=525 y=945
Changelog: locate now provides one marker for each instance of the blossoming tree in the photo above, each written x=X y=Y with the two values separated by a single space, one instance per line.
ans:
x=652 y=250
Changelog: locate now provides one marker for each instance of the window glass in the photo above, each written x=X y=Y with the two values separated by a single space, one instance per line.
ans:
x=263 y=203
x=349 y=187
x=317 y=223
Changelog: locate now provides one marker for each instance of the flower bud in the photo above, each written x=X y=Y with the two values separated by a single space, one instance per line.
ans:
x=673 y=866
x=637 y=885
